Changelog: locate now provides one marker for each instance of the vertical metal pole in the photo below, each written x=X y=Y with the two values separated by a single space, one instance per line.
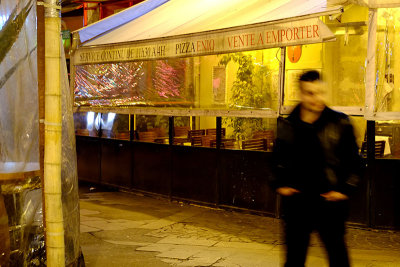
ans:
x=132 y=133
x=370 y=170
x=219 y=132
x=132 y=127
x=171 y=154
x=218 y=160
x=282 y=66
x=171 y=130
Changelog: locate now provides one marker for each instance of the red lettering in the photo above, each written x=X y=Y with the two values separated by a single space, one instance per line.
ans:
x=291 y=34
x=275 y=37
x=315 y=30
x=241 y=40
x=309 y=32
x=229 y=42
x=282 y=34
x=252 y=39
x=235 y=41
x=260 y=39
x=296 y=33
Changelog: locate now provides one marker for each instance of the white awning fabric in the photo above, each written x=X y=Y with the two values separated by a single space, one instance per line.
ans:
x=181 y=28
x=116 y=20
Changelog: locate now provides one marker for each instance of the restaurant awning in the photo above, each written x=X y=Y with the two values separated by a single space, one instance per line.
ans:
x=180 y=28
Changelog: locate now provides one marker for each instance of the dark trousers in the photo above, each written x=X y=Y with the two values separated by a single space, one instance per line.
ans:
x=302 y=215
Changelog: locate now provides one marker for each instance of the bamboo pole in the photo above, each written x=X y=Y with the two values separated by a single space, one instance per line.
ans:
x=55 y=248
x=41 y=79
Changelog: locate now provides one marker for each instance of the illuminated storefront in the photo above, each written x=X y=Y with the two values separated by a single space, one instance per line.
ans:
x=161 y=102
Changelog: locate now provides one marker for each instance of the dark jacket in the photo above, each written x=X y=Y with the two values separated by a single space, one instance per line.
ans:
x=319 y=157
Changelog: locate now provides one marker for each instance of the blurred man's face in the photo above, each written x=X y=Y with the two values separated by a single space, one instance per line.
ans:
x=312 y=96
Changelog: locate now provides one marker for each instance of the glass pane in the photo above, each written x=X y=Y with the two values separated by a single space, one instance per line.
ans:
x=388 y=132
x=360 y=128
x=182 y=127
x=87 y=123
x=249 y=133
x=115 y=126
x=344 y=59
x=387 y=97
x=244 y=80
x=152 y=128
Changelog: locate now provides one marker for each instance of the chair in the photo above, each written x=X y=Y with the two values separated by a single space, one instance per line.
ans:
x=181 y=130
x=196 y=140
x=255 y=144
x=206 y=140
x=84 y=132
x=266 y=134
x=379 y=149
x=147 y=136
x=214 y=131
x=160 y=132
x=225 y=143
x=122 y=135
x=193 y=133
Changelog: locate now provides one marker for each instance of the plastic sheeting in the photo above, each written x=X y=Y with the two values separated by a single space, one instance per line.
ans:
x=155 y=83
x=21 y=195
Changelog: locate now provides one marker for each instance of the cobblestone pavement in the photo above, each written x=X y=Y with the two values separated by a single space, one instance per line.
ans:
x=121 y=229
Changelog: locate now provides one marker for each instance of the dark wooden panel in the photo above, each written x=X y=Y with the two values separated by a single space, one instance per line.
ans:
x=244 y=180
x=116 y=163
x=385 y=194
x=88 y=158
x=151 y=167
x=194 y=173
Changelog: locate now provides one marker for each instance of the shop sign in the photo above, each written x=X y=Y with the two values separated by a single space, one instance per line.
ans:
x=216 y=42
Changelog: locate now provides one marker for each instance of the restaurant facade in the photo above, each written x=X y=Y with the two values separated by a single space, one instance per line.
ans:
x=182 y=99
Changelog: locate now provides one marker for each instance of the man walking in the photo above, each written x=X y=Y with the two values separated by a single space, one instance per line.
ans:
x=318 y=165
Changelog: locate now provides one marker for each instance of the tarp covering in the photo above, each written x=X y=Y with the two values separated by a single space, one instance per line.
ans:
x=178 y=17
x=21 y=224
x=118 y=19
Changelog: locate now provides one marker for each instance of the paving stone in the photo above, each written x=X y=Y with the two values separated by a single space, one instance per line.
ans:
x=155 y=248
x=199 y=261
x=104 y=225
x=126 y=243
x=187 y=241
x=89 y=212
x=245 y=245
x=88 y=229
x=90 y=218
x=179 y=253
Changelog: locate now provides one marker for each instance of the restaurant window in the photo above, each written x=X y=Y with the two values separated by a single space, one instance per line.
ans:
x=87 y=123
x=115 y=126
x=249 y=133
x=238 y=81
x=152 y=128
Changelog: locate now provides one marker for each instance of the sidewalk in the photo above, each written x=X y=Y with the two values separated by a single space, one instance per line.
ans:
x=121 y=229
